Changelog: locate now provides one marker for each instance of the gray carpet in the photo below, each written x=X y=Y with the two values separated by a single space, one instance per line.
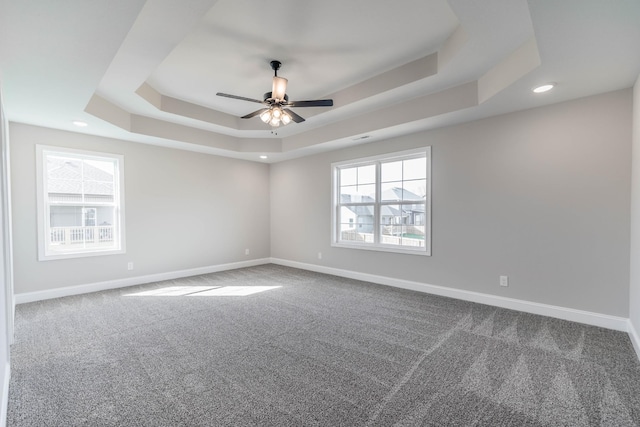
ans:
x=316 y=350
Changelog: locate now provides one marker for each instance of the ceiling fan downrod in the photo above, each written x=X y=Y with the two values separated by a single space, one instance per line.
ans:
x=275 y=66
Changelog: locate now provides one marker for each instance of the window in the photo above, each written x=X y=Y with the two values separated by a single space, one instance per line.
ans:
x=80 y=203
x=388 y=198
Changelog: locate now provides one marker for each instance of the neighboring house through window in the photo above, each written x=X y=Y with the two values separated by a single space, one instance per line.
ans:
x=80 y=203
x=388 y=198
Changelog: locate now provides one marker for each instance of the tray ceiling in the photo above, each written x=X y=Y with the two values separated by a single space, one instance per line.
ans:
x=148 y=71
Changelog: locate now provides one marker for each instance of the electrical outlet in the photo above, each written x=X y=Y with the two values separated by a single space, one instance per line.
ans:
x=130 y=266
x=504 y=281
x=319 y=255
x=246 y=251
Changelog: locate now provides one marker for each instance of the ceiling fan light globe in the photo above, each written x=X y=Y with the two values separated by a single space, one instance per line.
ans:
x=266 y=116
x=275 y=122
x=286 y=119
x=277 y=113
x=279 y=88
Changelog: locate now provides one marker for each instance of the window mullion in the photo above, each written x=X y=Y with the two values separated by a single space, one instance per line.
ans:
x=338 y=204
x=47 y=204
x=377 y=214
x=82 y=181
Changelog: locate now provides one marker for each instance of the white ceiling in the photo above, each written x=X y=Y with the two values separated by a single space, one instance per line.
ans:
x=148 y=71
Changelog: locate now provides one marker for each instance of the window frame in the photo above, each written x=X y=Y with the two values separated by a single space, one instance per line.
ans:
x=43 y=205
x=378 y=202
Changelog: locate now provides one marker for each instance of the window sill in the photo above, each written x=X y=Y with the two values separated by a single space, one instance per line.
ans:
x=72 y=255
x=382 y=248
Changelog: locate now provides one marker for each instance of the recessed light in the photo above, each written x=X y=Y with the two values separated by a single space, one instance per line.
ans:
x=543 y=88
x=80 y=123
x=263 y=157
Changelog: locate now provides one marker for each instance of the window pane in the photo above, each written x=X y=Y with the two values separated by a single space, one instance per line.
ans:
x=413 y=234
x=415 y=169
x=367 y=174
x=401 y=235
x=408 y=190
x=403 y=225
x=98 y=179
x=99 y=170
x=347 y=218
x=358 y=175
x=356 y=223
x=358 y=193
x=391 y=191
x=414 y=190
x=390 y=225
x=391 y=171
x=79 y=227
x=64 y=168
x=415 y=215
x=390 y=214
x=349 y=176
x=64 y=177
x=357 y=184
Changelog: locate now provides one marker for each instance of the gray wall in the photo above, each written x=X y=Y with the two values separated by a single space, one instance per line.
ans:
x=182 y=210
x=634 y=291
x=6 y=299
x=542 y=196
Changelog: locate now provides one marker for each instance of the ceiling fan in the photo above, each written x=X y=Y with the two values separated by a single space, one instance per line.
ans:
x=274 y=113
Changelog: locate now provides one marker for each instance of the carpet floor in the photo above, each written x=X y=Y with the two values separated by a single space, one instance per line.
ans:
x=276 y=346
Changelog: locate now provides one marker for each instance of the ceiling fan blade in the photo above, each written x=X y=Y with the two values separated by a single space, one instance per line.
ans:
x=316 y=103
x=242 y=98
x=296 y=118
x=255 y=113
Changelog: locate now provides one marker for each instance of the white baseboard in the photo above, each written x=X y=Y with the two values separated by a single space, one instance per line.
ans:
x=5 y=395
x=580 y=316
x=635 y=338
x=26 y=297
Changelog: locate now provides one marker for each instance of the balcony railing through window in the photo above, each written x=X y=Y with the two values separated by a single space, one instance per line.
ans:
x=65 y=237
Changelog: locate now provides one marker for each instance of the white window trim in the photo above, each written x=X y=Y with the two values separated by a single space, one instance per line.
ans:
x=43 y=218
x=335 y=194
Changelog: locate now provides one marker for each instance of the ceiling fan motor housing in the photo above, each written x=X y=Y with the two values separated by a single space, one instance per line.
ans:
x=267 y=97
